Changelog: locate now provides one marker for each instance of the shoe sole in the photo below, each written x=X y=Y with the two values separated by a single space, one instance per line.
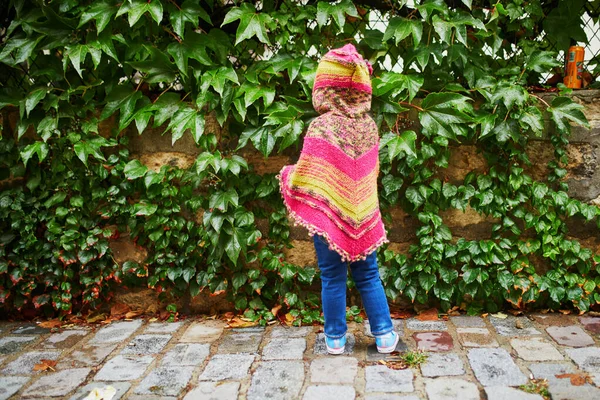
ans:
x=390 y=349
x=336 y=351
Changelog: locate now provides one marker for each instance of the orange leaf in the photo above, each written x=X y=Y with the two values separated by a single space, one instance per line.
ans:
x=53 y=323
x=275 y=309
x=576 y=379
x=428 y=315
x=45 y=365
x=133 y=314
x=119 y=310
x=97 y=318
x=402 y=314
x=241 y=323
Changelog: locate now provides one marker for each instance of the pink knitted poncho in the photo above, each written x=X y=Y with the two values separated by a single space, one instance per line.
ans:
x=332 y=190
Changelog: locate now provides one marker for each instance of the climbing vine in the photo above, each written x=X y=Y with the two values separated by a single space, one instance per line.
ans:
x=464 y=68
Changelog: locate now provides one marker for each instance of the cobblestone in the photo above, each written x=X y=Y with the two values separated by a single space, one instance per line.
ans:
x=434 y=341
x=88 y=356
x=383 y=379
x=442 y=365
x=124 y=368
x=587 y=358
x=284 y=349
x=276 y=380
x=416 y=325
x=165 y=381
x=13 y=344
x=495 y=367
x=116 y=332
x=535 y=349
x=57 y=384
x=191 y=354
x=214 y=391
x=227 y=366
x=592 y=324
x=120 y=387
x=64 y=340
x=329 y=392
x=146 y=344
x=203 y=332
x=476 y=337
x=163 y=327
x=514 y=326
x=508 y=393
x=338 y=370
x=240 y=343
x=30 y=329
x=572 y=336
x=10 y=385
x=451 y=389
x=465 y=321
x=25 y=363
x=291 y=332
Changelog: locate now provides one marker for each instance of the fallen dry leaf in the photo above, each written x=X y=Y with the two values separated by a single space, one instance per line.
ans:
x=500 y=315
x=565 y=312
x=53 y=323
x=576 y=379
x=428 y=315
x=119 y=310
x=289 y=319
x=241 y=323
x=133 y=314
x=45 y=365
x=96 y=318
x=275 y=310
x=518 y=324
x=402 y=314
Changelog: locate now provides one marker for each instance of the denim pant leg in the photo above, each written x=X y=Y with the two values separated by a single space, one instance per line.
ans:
x=366 y=276
x=334 y=273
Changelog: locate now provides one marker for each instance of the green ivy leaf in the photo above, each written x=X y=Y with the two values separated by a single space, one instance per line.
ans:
x=144 y=208
x=124 y=99
x=443 y=112
x=134 y=170
x=55 y=199
x=33 y=98
x=532 y=117
x=399 y=144
x=136 y=8
x=188 y=12
x=187 y=118
x=337 y=11
x=101 y=11
x=39 y=148
x=397 y=84
x=158 y=67
x=251 y=23
x=400 y=28
x=85 y=148
x=542 y=61
x=564 y=110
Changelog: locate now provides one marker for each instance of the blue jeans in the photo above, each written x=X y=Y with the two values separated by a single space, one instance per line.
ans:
x=334 y=273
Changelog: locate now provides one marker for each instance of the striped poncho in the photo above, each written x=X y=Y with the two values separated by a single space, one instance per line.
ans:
x=332 y=189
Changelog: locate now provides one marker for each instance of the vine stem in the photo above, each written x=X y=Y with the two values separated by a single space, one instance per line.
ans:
x=540 y=99
x=412 y=105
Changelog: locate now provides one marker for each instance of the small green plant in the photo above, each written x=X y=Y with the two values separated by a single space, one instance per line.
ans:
x=172 y=309
x=353 y=314
x=413 y=359
x=538 y=386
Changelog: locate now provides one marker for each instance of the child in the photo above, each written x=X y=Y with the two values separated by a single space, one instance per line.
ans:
x=332 y=191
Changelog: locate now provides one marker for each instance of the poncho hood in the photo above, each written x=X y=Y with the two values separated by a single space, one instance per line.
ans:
x=332 y=189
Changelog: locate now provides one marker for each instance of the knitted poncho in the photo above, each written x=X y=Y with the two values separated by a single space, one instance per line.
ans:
x=332 y=190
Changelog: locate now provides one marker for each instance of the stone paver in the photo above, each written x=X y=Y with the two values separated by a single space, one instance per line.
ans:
x=549 y=372
x=227 y=366
x=165 y=381
x=587 y=358
x=415 y=325
x=451 y=389
x=398 y=327
x=240 y=343
x=508 y=393
x=320 y=347
x=476 y=337
x=433 y=341
x=276 y=380
x=190 y=354
x=572 y=336
x=592 y=324
x=146 y=344
x=291 y=332
x=13 y=344
x=495 y=367
x=88 y=356
x=514 y=326
x=124 y=368
x=553 y=319
x=59 y=383
x=374 y=355
x=535 y=349
x=120 y=387
x=391 y=397
x=163 y=327
x=442 y=365
x=116 y=332
x=203 y=332
x=284 y=349
x=563 y=392
x=337 y=370
x=214 y=391
x=329 y=392
x=64 y=340
x=25 y=363
x=30 y=329
x=466 y=321
x=383 y=379
x=10 y=385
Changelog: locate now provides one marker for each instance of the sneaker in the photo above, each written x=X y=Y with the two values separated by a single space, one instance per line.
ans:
x=387 y=343
x=335 y=346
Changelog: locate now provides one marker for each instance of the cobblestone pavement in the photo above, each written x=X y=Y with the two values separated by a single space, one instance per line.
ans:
x=468 y=358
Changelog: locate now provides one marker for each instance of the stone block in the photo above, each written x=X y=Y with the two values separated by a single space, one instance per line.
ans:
x=433 y=341
x=416 y=325
x=25 y=363
x=88 y=356
x=203 y=332
x=64 y=340
x=468 y=321
x=321 y=392
x=227 y=366
x=587 y=358
x=302 y=253
x=182 y=354
x=549 y=372
x=10 y=385
x=277 y=380
x=120 y=387
x=214 y=391
x=124 y=249
x=124 y=368
x=146 y=344
x=556 y=319
x=514 y=326
x=163 y=327
x=451 y=389
x=116 y=332
x=58 y=383
x=338 y=370
x=442 y=365
x=495 y=367
x=13 y=344
x=592 y=324
x=155 y=161
x=320 y=347
x=374 y=355
x=30 y=329
x=291 y=332
x=383 y=379
x=284 y=349
x=508 y=393
x=165 y=381
x=564 y=392
x=240 y=343
x=391 y=397
x=476 y=337
x=398 y=327
x=535 y=349
x=572 y=336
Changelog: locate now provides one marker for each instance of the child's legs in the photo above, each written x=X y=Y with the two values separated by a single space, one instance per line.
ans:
x=366 y=276
x=334 y=273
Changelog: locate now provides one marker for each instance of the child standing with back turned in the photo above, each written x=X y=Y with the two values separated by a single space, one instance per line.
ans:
x=332 y=191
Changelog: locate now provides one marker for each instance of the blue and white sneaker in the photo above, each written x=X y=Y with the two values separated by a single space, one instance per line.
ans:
x=387 y=343
x=335 y=346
